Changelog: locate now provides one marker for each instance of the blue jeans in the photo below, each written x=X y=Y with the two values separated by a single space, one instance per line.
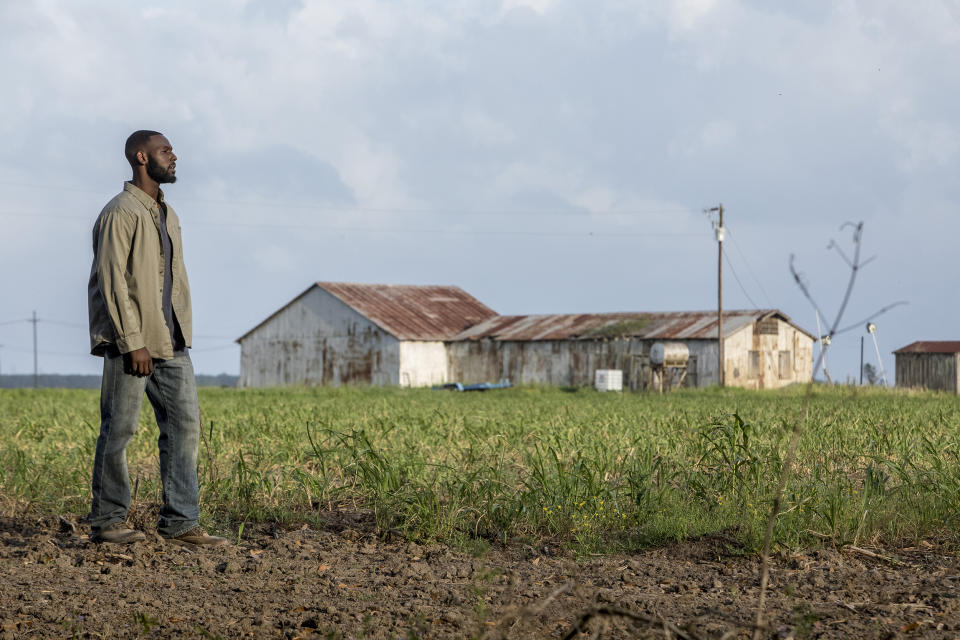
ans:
x=172 y=390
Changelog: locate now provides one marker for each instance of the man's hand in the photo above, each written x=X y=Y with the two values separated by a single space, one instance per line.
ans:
x=139 y=362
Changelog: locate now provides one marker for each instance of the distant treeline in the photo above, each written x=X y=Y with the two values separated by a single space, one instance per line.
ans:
x=70 y=381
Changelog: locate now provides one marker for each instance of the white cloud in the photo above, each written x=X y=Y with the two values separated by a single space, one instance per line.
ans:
x=373 y=173
x=538 y=6
x=688 y=15
x=785 y=112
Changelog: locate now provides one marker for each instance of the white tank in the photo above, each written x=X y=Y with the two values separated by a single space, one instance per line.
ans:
x=669 y=354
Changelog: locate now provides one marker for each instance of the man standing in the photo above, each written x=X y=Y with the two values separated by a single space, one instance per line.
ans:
x=140 y=322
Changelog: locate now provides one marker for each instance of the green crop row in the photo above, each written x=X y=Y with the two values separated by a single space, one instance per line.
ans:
x=597 y=472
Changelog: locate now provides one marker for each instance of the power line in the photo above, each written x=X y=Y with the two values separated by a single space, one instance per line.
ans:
x=395 y=210
x=47 y=214
x=73 y=325
x=486 y=232
x=34 y=320
x=737 y=278
x=750 y=269
x=222 y=348
x=77 y=325
x=443 y=210
x=49 y=187
x=467 y=232
x=72 y=354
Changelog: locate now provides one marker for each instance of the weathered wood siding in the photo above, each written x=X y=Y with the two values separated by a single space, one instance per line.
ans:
x=318 y=340
x=938 y=371
x=551 y=362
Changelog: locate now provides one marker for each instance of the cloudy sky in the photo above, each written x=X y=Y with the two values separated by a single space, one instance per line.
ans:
x=548 y=156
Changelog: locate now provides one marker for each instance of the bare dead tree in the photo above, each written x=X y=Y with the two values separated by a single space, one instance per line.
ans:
x=855 y=264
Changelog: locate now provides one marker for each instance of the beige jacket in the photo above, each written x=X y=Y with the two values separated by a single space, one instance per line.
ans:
x=127 y=276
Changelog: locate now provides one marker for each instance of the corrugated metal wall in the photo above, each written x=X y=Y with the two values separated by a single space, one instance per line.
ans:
x=779 y=358
x=553 y=362
x=318 y=340
x=938 y=371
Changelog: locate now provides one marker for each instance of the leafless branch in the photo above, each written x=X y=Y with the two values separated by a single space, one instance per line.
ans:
x=802 y=283
x=834 y=245
x=876 y=314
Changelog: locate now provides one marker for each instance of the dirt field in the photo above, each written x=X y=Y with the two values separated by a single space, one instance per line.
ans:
x=343 y=581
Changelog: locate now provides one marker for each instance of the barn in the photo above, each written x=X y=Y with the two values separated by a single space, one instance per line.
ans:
x=411 y=335
x=763 y=349
x=338 y=333
x=929 y=364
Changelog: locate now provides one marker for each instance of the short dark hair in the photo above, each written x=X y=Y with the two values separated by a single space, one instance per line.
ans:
x=135 y=143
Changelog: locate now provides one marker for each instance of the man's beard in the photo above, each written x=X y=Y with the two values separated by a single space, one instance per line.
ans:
x=159 y=174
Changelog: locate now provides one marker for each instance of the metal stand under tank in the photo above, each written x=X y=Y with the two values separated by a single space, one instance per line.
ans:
x=668 y=360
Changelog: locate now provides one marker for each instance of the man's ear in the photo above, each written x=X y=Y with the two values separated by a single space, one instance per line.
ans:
x=141 y=157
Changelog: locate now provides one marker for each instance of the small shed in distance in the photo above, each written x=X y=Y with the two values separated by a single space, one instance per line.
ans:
x=929 y=364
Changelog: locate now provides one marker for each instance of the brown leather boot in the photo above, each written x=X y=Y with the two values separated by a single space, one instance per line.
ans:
x=197 y=536
x=118 y=533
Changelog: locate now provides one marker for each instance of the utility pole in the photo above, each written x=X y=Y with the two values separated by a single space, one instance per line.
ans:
x=35 y=376
x=720 y=231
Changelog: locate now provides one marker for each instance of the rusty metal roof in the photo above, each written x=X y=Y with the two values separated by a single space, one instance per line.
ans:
x=931 y=346
x=676 y=325
x=407 y=312
x=448 y=313
x=413 y=312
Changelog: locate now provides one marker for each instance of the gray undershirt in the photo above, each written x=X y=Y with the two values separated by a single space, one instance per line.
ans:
x=166 y=299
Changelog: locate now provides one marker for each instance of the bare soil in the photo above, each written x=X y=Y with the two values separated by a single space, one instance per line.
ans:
x=344 y=581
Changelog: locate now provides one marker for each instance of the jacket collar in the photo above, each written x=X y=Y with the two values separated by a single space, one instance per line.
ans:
x=142 y=196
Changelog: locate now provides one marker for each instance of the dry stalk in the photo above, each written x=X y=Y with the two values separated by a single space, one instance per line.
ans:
x=873 y=554
x=211 y=466
x=528 y=611
x=668 y=627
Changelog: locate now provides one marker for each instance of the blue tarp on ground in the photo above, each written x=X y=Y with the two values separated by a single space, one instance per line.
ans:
x=480 y=386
